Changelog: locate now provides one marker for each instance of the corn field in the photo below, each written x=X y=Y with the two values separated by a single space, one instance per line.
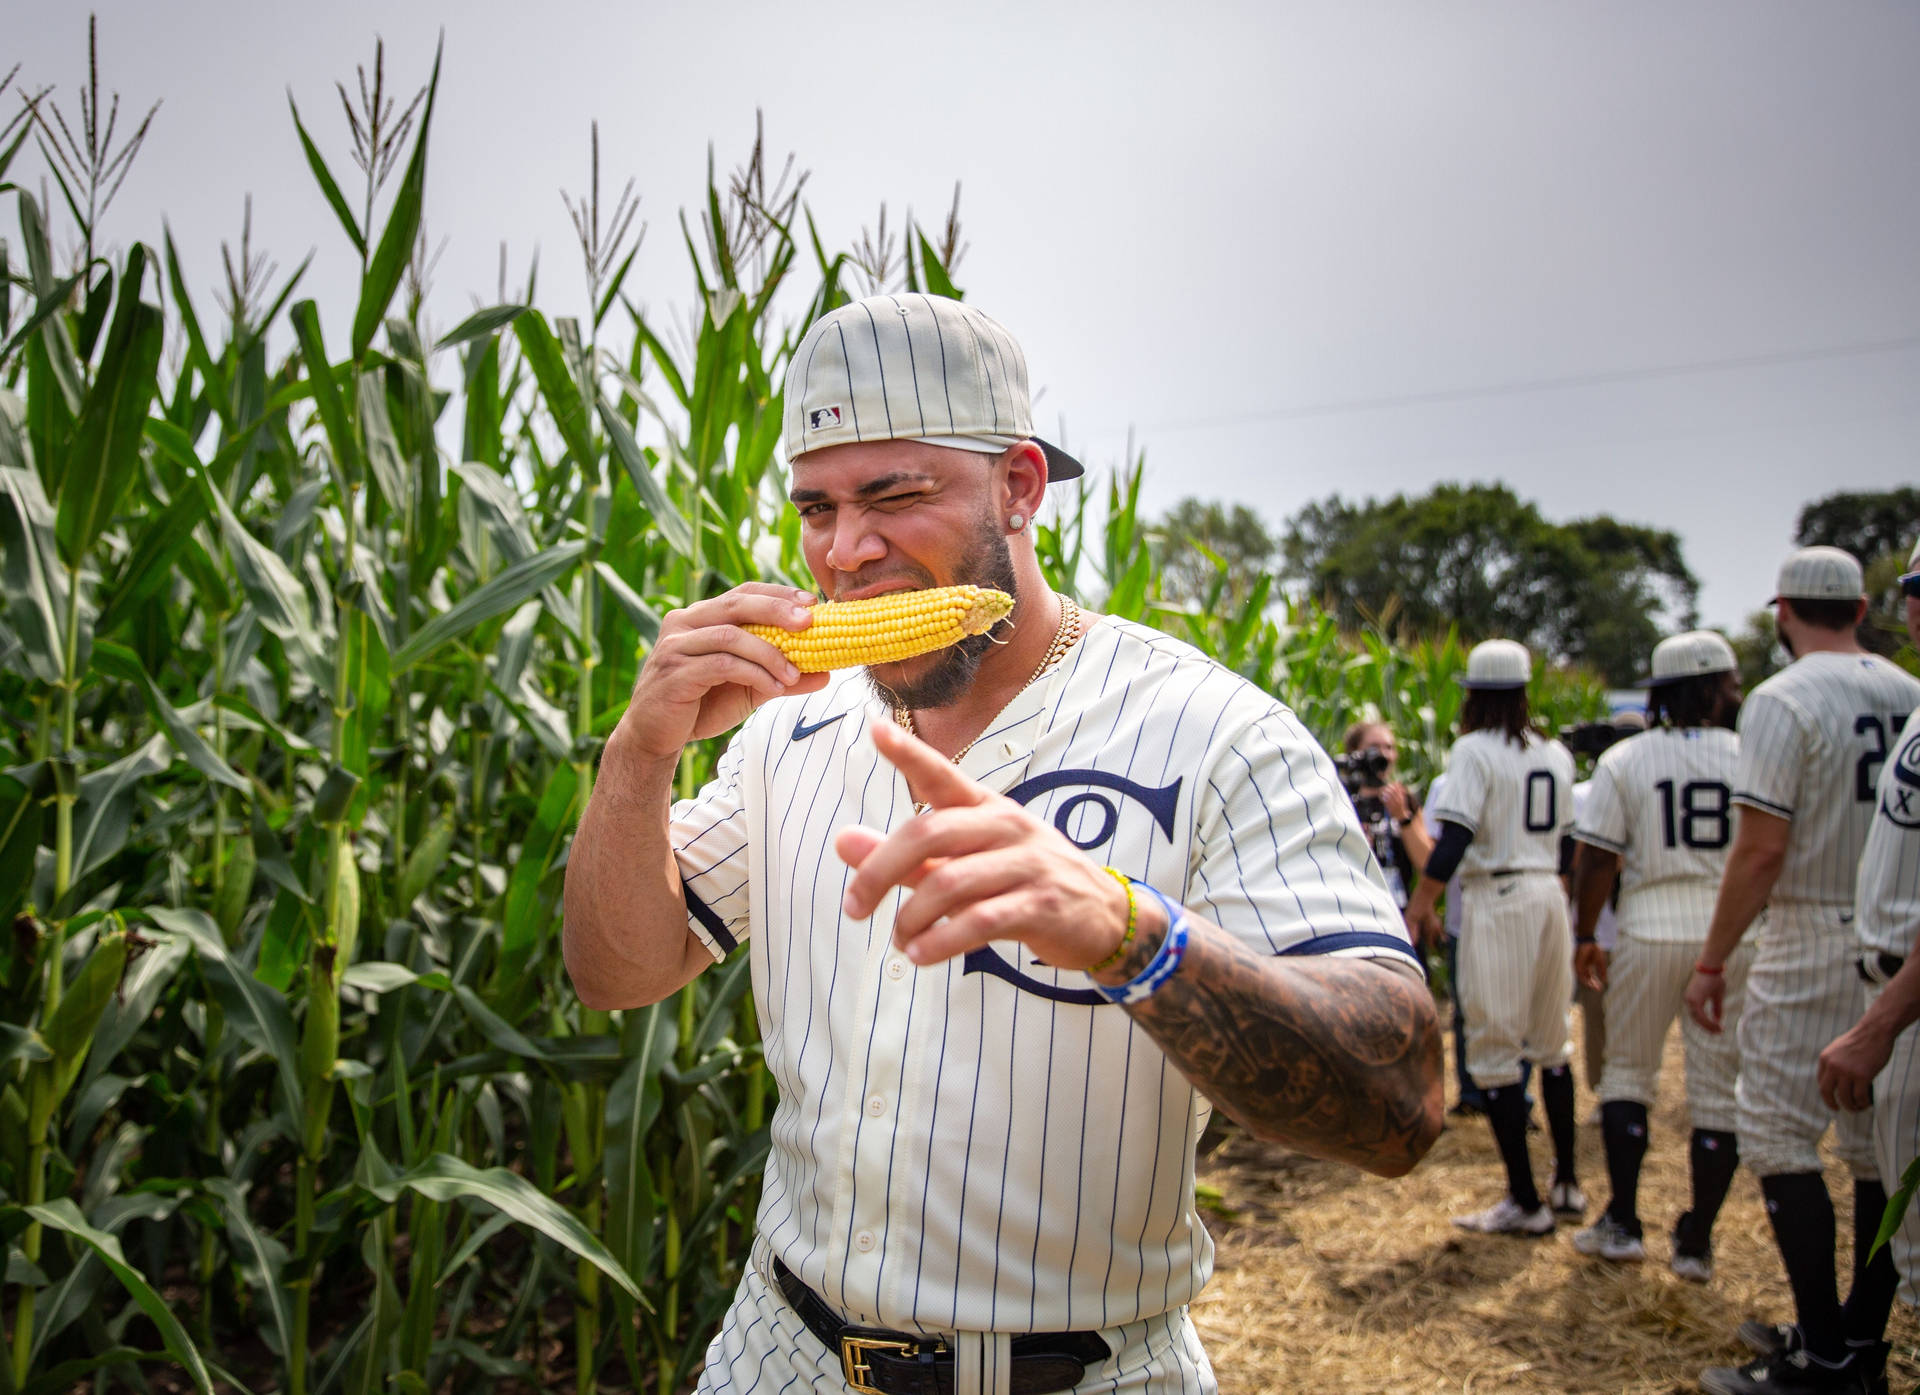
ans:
x=309 y=648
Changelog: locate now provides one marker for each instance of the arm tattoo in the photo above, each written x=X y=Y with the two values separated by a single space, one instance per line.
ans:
x=1336 y=1057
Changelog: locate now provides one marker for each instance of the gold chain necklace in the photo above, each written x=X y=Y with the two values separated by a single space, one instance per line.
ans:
x=1064 y=639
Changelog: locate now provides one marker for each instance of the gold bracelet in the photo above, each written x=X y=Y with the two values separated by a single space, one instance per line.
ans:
x=1133 y=920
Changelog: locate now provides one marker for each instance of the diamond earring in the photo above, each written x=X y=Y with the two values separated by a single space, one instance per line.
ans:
x=1017 y=522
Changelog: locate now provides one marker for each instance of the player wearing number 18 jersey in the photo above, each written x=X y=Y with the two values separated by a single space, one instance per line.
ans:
x=1659 y=815
x=1812 y=741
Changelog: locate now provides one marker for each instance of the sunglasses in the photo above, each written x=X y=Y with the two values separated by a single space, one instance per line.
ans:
x=1911 y=585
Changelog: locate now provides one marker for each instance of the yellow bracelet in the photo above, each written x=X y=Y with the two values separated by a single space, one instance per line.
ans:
x=1133 y=918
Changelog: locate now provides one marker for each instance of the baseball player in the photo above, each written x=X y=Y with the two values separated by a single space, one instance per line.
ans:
x=1659 y=818
x=1591 y=997
x=1813 y=739
x=1507 y=800
x=1015 y=911
x=1877 y=1062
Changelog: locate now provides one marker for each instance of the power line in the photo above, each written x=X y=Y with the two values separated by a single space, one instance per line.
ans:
x=1526 y=386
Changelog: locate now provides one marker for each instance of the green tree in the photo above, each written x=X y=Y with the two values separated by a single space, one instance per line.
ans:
x=1878 y=527
x=1595 y=591
x=1236 y=536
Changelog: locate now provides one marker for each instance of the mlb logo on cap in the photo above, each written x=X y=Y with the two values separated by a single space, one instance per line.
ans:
x=824 y=418
x=1820 y=574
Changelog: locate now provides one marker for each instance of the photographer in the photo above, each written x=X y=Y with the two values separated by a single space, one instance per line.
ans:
x=1388 y=812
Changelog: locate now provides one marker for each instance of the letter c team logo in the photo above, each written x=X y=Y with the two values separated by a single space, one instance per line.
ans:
x=1902 y=800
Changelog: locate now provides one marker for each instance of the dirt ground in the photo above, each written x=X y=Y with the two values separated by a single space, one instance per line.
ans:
x=1332 y=1281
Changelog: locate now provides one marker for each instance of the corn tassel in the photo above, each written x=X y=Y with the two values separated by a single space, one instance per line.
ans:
x=885 y=629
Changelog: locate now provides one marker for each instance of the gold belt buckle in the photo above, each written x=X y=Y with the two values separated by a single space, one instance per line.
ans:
x=853 y=1352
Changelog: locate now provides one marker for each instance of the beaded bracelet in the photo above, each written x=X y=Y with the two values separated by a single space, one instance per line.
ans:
x=1133 y=920
x=1163 y=965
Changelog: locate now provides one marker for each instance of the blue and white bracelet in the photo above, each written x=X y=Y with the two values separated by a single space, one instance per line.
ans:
x=1164 y=964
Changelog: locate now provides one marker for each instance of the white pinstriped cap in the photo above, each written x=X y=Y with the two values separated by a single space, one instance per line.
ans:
x=1913 y=565
x=1498 y=663
x=912 y=367
x=1689 y=655
x=1820 y=574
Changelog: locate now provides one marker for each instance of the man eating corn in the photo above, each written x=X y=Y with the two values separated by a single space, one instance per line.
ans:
x=1020 y=910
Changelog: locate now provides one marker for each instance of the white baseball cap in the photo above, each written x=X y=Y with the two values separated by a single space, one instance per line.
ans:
x=1688 y=656
x=1498 y=663
x=1820 y=574
x=916 y=368
x=1913 y=565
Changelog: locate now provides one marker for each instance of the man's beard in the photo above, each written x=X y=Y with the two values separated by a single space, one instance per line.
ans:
x=988 y=562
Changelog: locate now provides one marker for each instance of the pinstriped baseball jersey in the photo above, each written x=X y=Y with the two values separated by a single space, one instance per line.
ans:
x=1516 y=801
x=1887 y=900
x=1812 y=740
x=1662 y=801
x=985 y=1145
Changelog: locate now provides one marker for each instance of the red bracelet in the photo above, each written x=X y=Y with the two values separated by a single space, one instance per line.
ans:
x=1704 y=969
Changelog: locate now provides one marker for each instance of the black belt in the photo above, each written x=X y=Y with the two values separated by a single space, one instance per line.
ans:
x=899 y=1363
x=1878 y=966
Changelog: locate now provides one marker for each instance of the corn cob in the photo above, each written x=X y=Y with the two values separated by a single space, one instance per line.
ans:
x=887 y=628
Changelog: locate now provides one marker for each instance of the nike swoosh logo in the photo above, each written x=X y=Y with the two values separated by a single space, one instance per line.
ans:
x=801 y=731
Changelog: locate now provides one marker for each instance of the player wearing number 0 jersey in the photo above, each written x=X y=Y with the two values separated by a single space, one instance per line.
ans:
x=1659 y=814
x=1508 y=799
x=1812 y=740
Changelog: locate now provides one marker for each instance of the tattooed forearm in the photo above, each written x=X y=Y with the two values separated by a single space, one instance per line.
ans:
x=1337 y=1057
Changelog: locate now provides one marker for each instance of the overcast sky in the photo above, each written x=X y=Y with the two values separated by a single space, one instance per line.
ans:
x=1657 y=259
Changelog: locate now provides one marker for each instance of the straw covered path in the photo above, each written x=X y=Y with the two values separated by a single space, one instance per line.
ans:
x=1332 y=1281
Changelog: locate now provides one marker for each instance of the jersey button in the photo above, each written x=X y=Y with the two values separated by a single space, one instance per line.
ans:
x=876 y=1106
x=863 y=1242
x=896 y=968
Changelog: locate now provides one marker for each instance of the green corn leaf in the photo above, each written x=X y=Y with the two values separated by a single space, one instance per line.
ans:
x=102 y=819
x=278 y=598
x=64 y=1216
x=328 y=187
x=197 y=354
x=525 y=926
x=155 y=551
x=120 y=662
x=648 y=1038
x=21 y=1044
x=44 y=309
x=69 y=1374
x=262 y=1259
x=639 y=614
x=389 y=261
x=500 y=595
x=383 y=450
x=444 y=1177
x=106 y=445
x=260 y=1014
x=933 y=273
x=674 y=528
x=69 y=1032
x=328 y=397
x=479 y=323
x=30 y=570
x=557 y=386
x=379 y=976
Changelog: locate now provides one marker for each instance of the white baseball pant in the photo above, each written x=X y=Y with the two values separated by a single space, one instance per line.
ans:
x=763 y=1348
x=1803 y=991
x=1646 y=985
x=1516 y=975
x=1896 y=1142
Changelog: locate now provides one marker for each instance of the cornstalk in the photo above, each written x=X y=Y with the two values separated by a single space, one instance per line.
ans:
x=323 y=1003
x=592 y=1099
x=65 y=793
x=216 y=1016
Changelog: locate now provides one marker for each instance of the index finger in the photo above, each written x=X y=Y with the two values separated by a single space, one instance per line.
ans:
x=931 y=777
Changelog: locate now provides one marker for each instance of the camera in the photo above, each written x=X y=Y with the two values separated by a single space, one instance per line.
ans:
x=1592 y=738
x=1362 y=774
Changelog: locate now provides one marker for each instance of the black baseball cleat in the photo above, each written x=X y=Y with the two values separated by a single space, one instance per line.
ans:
x=1766 y=1338
x=1794 y=1372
